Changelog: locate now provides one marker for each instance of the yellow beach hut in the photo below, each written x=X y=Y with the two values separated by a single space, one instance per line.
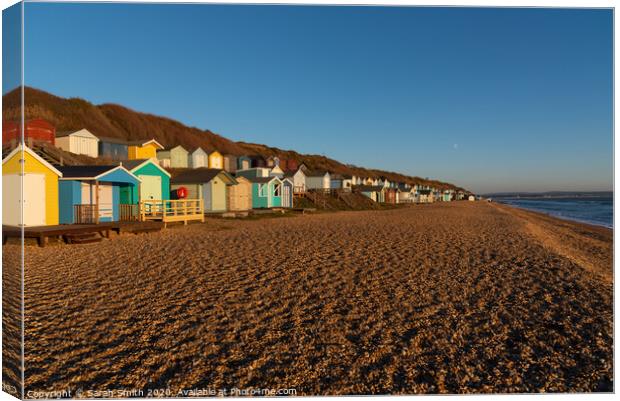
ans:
x=40 y=189
x=143 y=149
x=216 y=160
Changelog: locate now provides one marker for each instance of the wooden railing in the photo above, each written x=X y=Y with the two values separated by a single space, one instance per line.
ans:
x=85 y=214
x=172 y=210
x=127 y=212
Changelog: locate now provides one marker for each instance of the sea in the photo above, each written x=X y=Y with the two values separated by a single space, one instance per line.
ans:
x=597 y=210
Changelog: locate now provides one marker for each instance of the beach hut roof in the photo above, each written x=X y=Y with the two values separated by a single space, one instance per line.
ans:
x=138 y=163
x=175 y=147
x=200 y=175
x=91 y=172
x=197 y=148
x=262 y=180
x=112 y=140
x=32 y=153
x=144 y=142
x=370 y=188
x=316 y=173
x=83 y=131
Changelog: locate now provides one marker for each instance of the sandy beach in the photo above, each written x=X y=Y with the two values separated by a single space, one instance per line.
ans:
x=461 y=297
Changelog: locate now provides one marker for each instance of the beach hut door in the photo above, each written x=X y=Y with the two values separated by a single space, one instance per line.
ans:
x=286 y=196
x=33 y=200
x=150 y=187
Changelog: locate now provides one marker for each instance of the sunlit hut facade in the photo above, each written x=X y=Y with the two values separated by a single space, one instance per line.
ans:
x=154 y=182
x=318 y=179
x=80 y=142
x=216 y=160
x=299 y=180
x=374 y=192
x=40 y=201
x=176 y=157
x=143 y=149
x=92 y=194
x=240 y=195
x=266 y=192
x=210 y=185
x=198 y=158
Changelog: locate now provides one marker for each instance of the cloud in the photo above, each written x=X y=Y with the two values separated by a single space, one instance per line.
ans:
x=455 y=146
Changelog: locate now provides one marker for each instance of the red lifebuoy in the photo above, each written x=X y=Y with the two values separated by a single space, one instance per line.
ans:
x=181 y=193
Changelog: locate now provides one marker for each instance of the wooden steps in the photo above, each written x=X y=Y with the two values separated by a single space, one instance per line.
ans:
x=83 y=238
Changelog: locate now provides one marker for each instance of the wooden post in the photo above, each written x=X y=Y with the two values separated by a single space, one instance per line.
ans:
x=96 y=201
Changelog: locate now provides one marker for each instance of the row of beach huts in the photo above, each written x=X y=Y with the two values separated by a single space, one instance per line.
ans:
x=145 y=181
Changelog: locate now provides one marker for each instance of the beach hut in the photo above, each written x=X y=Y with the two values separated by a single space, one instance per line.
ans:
x=230 y=163
x=39 y=198
x=391 y=195
x=406 y=194
x=471 y=198
x=154 y=182
x=244 y=163
x=216 y=160
x=374 y=192
x=254 y=172
x=266 y=192
x=347 y=181
x=335 y=181
x=198 y=158
x=208 y=184
x=176 y=157
x=318 y=179
x=36 y=130
x=424 y=195
x=272 y=161
x=240 y=195
x=113 y=148
x=81 y=142
x=92 y=194
x=143 y=149
x=299 y=180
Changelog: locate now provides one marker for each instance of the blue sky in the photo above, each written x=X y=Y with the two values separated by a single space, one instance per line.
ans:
x=490 y=99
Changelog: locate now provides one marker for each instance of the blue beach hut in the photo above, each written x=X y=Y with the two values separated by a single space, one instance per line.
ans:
x=92 y=194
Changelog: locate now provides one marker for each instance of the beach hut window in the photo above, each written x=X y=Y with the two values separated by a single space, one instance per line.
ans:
x=277 y=189
x=262 y=190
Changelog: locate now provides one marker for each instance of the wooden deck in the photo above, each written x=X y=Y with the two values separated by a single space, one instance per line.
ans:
x=175 y=210
x=66 y=231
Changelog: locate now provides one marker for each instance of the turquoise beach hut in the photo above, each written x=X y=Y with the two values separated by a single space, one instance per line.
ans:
x=266 y=192
x=154 y=181
x=92 y=194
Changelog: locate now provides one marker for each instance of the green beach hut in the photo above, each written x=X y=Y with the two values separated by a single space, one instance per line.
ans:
x=154 y=185
x=266 y=192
